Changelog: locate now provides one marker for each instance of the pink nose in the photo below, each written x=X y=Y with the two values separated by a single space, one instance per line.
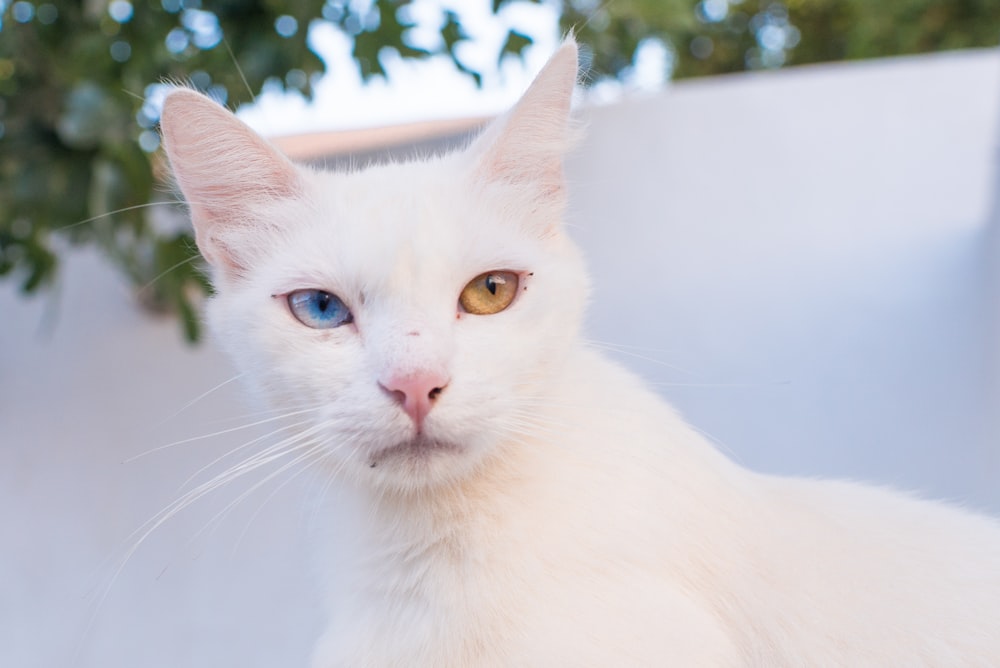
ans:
x=416 y=392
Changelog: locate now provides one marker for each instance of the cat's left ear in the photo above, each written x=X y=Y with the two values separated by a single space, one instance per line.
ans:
x=525 y=147
x=228 y=175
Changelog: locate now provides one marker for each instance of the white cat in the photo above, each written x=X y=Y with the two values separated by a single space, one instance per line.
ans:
x=502 y=495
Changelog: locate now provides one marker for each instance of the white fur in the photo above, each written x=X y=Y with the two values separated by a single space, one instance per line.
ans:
x=574 y=519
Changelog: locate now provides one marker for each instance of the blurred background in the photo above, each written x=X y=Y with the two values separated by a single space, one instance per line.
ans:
x=802 y=258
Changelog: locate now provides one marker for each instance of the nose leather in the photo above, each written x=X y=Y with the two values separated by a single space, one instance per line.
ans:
x=415 y=392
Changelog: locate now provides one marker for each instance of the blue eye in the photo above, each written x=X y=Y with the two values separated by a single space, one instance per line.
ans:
x=318 y=309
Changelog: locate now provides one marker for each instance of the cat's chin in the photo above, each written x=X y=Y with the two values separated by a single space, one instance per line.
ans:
x=417 y=449
x=418 y=462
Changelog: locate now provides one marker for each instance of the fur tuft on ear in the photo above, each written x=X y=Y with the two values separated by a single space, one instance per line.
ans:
x=525 y=147
x=226 y=172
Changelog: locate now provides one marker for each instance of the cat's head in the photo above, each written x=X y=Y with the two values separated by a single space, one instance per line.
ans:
x=415 y=313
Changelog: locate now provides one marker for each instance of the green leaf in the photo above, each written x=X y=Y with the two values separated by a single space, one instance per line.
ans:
x=452 y=31
x=454 y=34
x=514 y=44
x=41 y=266
x=499 y=4
x=189 y=318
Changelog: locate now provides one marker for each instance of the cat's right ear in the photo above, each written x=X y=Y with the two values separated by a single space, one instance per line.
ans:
x=227 y=173
x=524 y=149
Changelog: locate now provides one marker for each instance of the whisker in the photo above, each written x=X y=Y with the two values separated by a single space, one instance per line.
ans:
x=163 y=273
x=220 y=515
x=759 y=384
x=197 y=399
x=239 y=70
x=645 y=358
x=142 y=533
x=593 y=14
x=615 y=345
x=218 y=433
x=116 y=212
x=310 y=453
x=330 y=478
x=262 y=413
x=254 y=441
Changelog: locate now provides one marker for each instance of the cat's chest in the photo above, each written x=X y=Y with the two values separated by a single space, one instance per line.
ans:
x=513 y=607
x=434 y=603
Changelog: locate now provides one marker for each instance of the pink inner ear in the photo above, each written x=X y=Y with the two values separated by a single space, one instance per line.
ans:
x=546 y=178
x=526 y=146
x=216 y=251
x=225 y=170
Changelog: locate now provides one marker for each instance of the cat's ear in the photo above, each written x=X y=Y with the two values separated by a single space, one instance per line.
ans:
x=525 y=147
x=227 y=173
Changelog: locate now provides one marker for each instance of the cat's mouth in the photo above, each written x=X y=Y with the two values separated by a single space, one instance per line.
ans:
x=419 y=447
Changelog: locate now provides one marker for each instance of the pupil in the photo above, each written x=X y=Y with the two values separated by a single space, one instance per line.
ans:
x=491 y=285
x=323 y=301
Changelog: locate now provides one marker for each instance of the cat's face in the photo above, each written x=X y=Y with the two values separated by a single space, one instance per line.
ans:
x=414 y=312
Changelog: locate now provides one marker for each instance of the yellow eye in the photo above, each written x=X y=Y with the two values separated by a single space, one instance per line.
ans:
x=489 y=293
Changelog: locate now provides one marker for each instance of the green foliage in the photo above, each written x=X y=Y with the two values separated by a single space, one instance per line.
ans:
x=719 y=36
x=73 y=78
x=842 y=29
x=80 y=83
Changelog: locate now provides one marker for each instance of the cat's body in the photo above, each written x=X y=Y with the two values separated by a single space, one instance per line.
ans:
x=500 y=494
x=630 y=541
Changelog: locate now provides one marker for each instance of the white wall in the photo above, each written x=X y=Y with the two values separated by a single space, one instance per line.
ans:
x=802 y=261
x=813 y=254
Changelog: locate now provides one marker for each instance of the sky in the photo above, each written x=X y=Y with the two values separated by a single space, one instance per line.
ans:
x=434 y=89
x=415 y=91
